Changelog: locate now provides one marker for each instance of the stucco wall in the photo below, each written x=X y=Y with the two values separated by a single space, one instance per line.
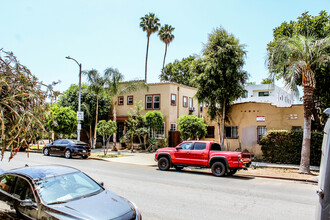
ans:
x=244 y=116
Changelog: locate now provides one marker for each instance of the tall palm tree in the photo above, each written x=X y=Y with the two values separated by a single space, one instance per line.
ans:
x=96 y=85
x=295 y=59
x=165 y=35
x=116 y=87
x=150 y=24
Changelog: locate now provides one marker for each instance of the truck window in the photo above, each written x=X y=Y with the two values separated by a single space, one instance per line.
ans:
x=215 y=147
x=199 y=146
x=186 y=146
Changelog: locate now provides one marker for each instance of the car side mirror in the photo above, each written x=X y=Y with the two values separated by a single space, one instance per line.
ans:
x=27 y=203
x=178 y=148
x=101 y=183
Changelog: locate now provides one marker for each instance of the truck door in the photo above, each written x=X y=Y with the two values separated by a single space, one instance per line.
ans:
x=182 y=155
x=199 y=155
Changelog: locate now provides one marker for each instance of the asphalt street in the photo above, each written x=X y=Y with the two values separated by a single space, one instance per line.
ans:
x=191 y=194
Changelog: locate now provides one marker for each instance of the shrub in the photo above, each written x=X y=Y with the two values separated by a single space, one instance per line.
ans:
x=285 y=147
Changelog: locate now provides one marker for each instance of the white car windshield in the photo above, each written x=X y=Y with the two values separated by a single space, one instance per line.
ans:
x=60 y=189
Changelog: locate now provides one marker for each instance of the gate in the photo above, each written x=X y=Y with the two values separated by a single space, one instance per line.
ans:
x=174 y=138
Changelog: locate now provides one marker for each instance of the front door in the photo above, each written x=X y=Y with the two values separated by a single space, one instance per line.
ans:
x=182 y=155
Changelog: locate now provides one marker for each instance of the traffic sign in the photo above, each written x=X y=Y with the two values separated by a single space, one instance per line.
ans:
x=80 y=116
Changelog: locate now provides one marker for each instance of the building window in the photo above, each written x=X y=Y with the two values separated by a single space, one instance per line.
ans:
x=152 y=101
x=156 y=100
x=191 y=103
x=173 y=99
x=263 y=93
x=296 y=128
x=129 y=100
x=159 y=134
x=231 y=131
x=210 y=132
x=201 y=107
x=121 y=100
x=185 y=101
x=173 y=127
x=261 y=130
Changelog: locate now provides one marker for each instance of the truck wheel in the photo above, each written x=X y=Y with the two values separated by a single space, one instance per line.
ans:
x=218 y=169
x=163 y=163
x=232 y=171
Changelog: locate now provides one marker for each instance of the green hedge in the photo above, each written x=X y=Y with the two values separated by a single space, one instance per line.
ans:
x=285 y=147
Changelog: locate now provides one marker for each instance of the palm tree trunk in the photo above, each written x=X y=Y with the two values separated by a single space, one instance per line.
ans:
x=114 y=137
x=164 y=57
x=96 y=116
x=219 y=130
x=306 y=145
x=223 y=122
x=146 y=67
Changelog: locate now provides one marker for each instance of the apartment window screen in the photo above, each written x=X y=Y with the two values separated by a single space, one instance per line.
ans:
x=231 y=131
x=261 y=130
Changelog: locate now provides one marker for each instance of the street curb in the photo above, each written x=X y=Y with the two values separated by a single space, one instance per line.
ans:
x=281 y=178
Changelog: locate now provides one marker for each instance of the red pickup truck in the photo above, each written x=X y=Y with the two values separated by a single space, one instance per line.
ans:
x=203 y=154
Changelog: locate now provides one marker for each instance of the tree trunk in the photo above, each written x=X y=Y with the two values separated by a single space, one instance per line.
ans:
x=219 y=130
x=306 y=145
x=96 y=116
x=114 y=137
x=164 y=57
x=223 y=122
x=146 y=67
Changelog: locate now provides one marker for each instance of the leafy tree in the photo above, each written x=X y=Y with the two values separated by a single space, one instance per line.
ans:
x=154 y=120
x=23 y=105
x=115 y=87
x=88 y=105
x=62 y=120
x=318 y=27
x=140 y=127
x=191 y=127
x=150 y=24
x=294 y=58
x=96 y=85
x=166 y=36
x=222 y=79
x=267 y=81
x=179 y=71
x=106 y=129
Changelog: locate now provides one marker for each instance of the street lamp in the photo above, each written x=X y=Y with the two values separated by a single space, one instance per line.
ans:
x=80 y=115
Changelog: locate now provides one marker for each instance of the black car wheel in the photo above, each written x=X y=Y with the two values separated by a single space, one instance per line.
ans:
x=84 y=157
x=67 y=154
x=163 y=163
x=46 y=152
x=218 y=169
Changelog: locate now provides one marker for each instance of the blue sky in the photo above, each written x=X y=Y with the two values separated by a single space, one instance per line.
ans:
x=106 y=33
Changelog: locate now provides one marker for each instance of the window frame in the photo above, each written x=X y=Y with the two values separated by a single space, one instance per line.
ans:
x=232 y=134
x=171 y=127
x=262 y=93
x=183 y=102
x=130 y=96
x=259 y=136
x=190 y=101
x=173 y=95
x=152 y=101
x=119 y=99
x=197 y=143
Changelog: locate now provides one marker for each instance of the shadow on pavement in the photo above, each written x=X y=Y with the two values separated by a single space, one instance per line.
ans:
x=208 y=173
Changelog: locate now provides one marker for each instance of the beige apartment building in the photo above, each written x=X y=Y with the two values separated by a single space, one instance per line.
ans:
x=249 y=121
x=171 y=99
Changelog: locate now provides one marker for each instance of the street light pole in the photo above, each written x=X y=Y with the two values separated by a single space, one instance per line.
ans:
x=79 y=98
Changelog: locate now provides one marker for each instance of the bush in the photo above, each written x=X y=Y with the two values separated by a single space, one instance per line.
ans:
x=285 y=147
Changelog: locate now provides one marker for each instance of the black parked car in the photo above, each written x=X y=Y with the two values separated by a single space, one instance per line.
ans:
x=61 y=192
x=68 y=148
